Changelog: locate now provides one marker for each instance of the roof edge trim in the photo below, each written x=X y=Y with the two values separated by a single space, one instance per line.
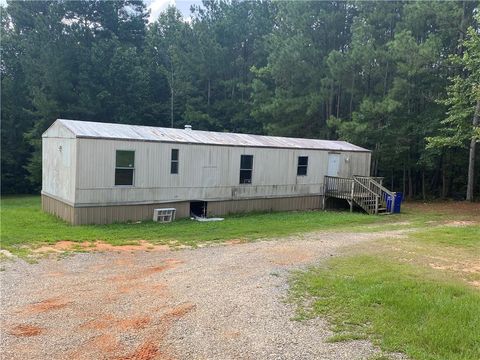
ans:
x=225 y=145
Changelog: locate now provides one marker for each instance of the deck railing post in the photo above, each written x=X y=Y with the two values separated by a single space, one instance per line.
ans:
x=351 y=195
x=376 y=205
x=324 y=193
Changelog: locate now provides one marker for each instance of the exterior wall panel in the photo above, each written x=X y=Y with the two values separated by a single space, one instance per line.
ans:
x=58 y=167
x=206 y=172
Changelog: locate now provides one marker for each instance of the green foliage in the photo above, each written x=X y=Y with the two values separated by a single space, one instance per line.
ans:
x=369 y=72
x=78 y=60
x=401 y=307
x=463 y=94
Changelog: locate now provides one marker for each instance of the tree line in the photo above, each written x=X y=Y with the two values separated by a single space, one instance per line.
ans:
x=400 y=78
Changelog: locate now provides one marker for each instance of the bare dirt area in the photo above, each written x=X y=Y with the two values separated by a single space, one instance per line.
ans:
x=87 y=246
x=458 y=208
x=215 y=302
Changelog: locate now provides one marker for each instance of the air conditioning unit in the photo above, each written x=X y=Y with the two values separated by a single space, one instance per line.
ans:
x=164 y=215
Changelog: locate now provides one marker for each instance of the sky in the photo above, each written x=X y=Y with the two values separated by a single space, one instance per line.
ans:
x=157 y=6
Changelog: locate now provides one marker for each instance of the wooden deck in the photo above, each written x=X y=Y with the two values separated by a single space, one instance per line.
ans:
x=364 y=191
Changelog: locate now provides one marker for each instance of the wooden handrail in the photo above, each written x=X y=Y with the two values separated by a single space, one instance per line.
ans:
x=369 y=177
x=337 y=177
x=384 y=189
x=365 y=187
x=375 y=183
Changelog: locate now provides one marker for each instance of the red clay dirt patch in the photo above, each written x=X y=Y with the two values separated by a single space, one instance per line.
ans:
x=65 y=245
x=168 y=264
x=46 y=305
x=105 y=343
x=100 y=323
x=108 y=321
x=139 y=322
x=156 y=269
x=180 y=310
x=146 y=351
x=159 y=289
x=23 y=330
x=124 y=261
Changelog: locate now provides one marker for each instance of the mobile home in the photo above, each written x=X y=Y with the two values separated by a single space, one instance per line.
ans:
x=98 y=173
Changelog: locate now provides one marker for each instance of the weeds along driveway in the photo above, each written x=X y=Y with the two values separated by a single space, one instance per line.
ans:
x=216 y=302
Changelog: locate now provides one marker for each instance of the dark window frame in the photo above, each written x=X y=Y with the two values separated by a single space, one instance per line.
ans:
x=246 y=180
x=302 y=166
x=123 y=169
x=174 y=163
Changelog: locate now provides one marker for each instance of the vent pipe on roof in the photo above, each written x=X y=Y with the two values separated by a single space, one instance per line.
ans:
x=188 y=127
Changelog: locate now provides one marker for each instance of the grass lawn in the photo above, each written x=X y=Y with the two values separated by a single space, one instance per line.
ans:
x=24 y=224
x=461 y=237
x=418 y=295
x=402 y=307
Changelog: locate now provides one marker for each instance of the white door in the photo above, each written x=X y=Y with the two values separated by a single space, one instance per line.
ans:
x=333 y=164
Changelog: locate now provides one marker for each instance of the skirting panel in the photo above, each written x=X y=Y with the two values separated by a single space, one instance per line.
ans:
x=107 y=214
x=269 y=204
x=58 y=208
x=124 y=213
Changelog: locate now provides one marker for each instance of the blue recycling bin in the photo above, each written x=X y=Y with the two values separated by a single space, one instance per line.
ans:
x=398 y=202
x=388 y=200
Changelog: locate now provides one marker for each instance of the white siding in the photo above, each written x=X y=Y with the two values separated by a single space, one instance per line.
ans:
x=354 y=163
x=58 y=168
x=206 y=172
x=58 y=130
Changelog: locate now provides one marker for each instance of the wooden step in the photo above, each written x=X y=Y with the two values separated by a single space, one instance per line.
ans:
x=368 y=193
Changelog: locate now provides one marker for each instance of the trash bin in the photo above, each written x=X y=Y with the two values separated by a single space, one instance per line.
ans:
x=398 y=202
x=388 y=200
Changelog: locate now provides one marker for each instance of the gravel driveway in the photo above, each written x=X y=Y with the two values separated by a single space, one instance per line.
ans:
x=216 y=302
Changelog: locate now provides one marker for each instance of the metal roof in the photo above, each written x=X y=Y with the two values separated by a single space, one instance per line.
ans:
x=86 y=129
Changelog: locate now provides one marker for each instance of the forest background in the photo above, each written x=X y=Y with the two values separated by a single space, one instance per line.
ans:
x=400 y=78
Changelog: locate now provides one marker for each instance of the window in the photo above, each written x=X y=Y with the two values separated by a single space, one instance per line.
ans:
x=302 y=166
x=174 y=162
x=246 y=166
x=124 y=167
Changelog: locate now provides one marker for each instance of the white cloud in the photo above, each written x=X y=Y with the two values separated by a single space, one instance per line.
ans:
x=157 y=6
